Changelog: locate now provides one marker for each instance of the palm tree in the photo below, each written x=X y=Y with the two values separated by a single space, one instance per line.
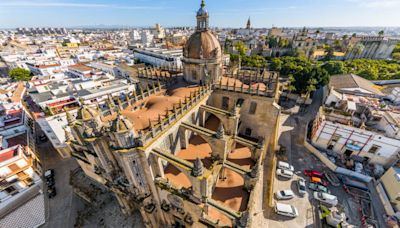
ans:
x=311 y=87
x=290 y=86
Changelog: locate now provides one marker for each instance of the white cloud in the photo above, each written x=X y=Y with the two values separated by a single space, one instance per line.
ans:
x=377 y=3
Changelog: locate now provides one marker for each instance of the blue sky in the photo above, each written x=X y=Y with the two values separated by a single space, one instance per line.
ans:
x=227 y=13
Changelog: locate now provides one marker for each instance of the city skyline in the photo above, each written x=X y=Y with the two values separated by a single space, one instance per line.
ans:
x=142 y=13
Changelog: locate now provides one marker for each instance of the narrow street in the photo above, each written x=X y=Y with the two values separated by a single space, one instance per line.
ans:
x=62 y=209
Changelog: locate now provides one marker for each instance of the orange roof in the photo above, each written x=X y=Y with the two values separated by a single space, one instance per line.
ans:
x=241 y=155
x=155 y=105
x=18 y=93
x=47 y=66
x=80 y=67
x=230 y=192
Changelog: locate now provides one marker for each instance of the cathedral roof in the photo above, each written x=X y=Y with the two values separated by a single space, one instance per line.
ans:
x=202 y=45
x=121 y=124
x=86 y=113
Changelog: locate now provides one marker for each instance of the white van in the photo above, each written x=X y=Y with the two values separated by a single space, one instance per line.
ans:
x=284 y=173
x=286 y=210
x=285 y=166
x=326 y=198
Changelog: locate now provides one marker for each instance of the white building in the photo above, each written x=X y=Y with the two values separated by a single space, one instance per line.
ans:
x=147 y=38
x=57 y=97
x=107 y=68
x=395 y=96
x=21 y=197
x=160 y=57
x=348 y=141
x=44 y=69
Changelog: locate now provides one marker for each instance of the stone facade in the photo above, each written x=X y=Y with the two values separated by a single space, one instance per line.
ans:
x=183 y=151
x=372 y=48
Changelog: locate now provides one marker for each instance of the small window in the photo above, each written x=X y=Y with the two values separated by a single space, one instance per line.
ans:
x=225 y=103
x=239 y=102
x=374 y=149
x=253 y=108
x=194 y=75
x=335 y=138
x=248 y=132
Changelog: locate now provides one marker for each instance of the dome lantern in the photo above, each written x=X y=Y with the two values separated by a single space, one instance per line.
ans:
x=202 y=17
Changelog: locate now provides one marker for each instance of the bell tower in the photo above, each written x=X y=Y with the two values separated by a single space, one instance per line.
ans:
x=248 y=25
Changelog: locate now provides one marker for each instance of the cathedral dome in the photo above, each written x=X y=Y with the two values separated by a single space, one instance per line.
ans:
x=202 y=45
x=202 y=12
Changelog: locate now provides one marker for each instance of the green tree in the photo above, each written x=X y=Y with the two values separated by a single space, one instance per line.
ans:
x=334 y=67
x=290 y=87
x=311 y=86
x=381 y=33
x=299 y=53
x=300 y=71
x=283 y=43
x=272 y=42
x=240 y=46
x=20 y=74
x=396 y=52
x=396 y=56
x=254 y=61
x=329 y=53
x=337 y=44
x=276 y=64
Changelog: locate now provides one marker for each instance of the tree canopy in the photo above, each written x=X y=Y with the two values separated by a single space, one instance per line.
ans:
x=304 y=75
x=250 y=61
x=241 y=47
x=396 y=52
x=20 y=74
x=367 y=68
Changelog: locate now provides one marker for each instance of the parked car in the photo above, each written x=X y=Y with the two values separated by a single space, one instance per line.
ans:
x=318 y=180
x=313 y=173
x=51 y=192
x=284 y=173
x=286 y=210
x=326 y=198
x=285 y=166
x=301 y=186
x=49 y=174
x=43 y=138
x=318 y=188
x=50 y=182
x=284 y=195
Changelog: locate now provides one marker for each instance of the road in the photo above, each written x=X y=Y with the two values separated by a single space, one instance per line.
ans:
x=292 y=135
x=62 y=209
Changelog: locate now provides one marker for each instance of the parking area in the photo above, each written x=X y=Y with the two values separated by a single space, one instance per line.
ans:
x=301 y=203
x=299 y=157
